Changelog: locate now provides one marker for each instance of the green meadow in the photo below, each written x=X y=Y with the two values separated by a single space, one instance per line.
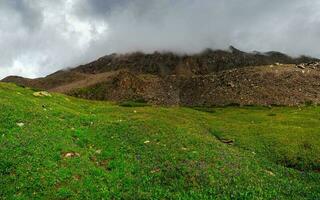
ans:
x=60 y=147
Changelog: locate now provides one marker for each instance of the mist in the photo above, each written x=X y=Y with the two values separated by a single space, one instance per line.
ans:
x=40 y=37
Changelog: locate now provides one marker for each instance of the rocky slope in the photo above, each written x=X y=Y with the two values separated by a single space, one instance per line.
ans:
x=205 y=79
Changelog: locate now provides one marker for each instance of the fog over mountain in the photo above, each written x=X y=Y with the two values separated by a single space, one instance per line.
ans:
x=40 y=37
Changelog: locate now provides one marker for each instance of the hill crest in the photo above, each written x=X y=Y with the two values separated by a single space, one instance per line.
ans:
x=212 y=77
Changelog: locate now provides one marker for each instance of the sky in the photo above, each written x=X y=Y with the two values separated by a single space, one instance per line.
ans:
x=38 y=37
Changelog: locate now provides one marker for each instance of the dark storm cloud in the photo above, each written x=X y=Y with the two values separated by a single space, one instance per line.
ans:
x=99 y=7
x=29 y=16
x=39 y=37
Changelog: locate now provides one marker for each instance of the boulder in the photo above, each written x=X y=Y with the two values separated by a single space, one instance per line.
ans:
x=42 y=94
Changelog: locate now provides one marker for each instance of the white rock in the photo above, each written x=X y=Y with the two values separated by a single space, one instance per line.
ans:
x=20 y=124
x=42 y=94
x=270 y=173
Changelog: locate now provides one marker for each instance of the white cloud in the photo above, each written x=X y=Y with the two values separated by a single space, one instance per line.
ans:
x=61 y=40
x=40 y=37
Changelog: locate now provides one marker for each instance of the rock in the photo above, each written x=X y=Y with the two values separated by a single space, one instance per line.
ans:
x=231 y=84
x=227 y=141
x=42 y=94
x=301 y=66
x=20 y=124
x=71 y=155
x=155 y=171
x=270 y=173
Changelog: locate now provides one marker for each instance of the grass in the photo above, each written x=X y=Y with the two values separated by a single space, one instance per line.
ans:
x=61 y=147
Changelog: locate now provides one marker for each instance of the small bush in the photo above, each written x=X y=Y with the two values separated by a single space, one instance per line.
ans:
x=205 y=109
x=64 y=193
x=135 y=103
x=309 y=103
x=6 y=168
x=217 y=134
x=272 y=114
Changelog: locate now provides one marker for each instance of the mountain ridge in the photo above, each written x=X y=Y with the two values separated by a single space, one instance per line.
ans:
x=212 y=77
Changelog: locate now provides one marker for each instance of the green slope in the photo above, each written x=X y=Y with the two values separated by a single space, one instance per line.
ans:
x=60 y=147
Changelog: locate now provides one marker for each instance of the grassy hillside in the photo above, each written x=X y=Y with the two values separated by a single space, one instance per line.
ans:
x=60 y=147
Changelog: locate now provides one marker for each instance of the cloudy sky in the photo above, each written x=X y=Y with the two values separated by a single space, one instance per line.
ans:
x=38 y=37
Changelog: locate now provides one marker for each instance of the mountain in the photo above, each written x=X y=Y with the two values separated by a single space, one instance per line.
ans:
x=212 y=77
